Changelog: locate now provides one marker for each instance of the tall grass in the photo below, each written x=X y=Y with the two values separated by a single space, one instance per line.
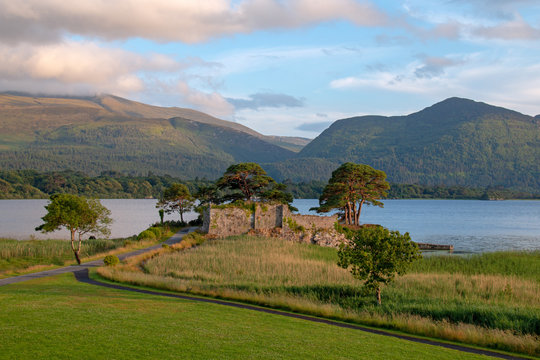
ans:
x=500 y=310
x=523 y=264
x=25 y=255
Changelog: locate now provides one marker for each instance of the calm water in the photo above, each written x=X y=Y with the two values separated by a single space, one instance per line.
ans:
x=19 y=218
x=469 y=225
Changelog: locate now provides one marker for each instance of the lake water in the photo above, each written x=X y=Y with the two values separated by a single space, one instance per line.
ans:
x=469 y=225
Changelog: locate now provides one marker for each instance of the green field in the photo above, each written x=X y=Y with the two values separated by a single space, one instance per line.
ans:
x=490 y=300
x=59 y=318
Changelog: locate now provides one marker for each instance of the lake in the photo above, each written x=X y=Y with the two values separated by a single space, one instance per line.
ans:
x=469 y=225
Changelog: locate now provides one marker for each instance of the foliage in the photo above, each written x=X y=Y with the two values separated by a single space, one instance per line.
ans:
x=248 y=181
x=352 y=185
x=293 y=225
x=377 y=255
x=156 y=230
x=28 y=184
x=176 y=198
x=111 y=260
x=146 y=234
x=245 y=180
x=78 y=215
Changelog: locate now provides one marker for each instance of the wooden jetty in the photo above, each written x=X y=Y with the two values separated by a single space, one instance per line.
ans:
x=425 y=246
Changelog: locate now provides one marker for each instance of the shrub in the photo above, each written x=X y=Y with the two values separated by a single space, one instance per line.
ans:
x=127 y=242
x=111 y=260
x=146 y=234
x=156 y=231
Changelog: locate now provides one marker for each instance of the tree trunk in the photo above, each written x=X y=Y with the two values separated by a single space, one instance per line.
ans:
x=353 y=207
x=76 y=252
x=181 y=216
x=379 y=295
x=359 y=212
x=348 y=213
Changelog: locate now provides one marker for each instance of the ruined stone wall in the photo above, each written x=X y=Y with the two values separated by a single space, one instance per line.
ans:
x=271 y=220
x=228 y=221
x=268 y=216
x=313 y=221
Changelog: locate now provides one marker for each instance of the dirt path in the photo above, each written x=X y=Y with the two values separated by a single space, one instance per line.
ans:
x=15 y=279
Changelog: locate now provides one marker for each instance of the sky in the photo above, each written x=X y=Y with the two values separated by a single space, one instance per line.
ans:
x=280 y=67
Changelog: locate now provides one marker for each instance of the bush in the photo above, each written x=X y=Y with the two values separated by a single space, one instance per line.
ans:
x=146 y=234
x=111 y=260
x=156 y=231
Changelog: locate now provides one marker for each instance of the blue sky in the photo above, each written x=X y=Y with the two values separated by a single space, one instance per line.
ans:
x=281 y=67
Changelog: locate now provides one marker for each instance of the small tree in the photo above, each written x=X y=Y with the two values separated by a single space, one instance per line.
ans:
x=350 y=187
x=377 y=255
x=248 y=178
x=176 y=198
x=78 y=215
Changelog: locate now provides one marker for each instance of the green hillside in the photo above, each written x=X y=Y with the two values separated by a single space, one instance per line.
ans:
x=104 y=133
x=454 y=142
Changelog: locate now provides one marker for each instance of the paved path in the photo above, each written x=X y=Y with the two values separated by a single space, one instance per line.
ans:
x=81 y=274
x=172 y=240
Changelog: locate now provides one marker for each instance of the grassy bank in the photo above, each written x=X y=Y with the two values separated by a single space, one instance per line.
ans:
x=22 y=256
x=490 y=306
x=64 y=319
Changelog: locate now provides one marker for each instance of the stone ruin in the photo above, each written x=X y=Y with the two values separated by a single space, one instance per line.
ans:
x=273 y=220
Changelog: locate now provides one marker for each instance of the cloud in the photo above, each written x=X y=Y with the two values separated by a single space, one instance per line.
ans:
x=77 y=66
x=479 y=78
x=212 y=103
x=164 y=20
x=86 y=68
x=435 y=66
x=516 y=29
x=266 y=100
x=315 y=126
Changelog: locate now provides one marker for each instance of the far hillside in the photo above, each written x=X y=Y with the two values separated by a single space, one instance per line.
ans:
x=455 y=142
x=109 y=133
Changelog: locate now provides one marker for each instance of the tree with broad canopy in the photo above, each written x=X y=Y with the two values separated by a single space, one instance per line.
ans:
x=350 y=187
x=77 y=214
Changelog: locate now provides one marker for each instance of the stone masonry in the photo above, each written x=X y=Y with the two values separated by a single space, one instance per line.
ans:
x=271 y=220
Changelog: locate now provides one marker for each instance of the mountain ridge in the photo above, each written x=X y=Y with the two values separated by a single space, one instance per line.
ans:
x=454 y=142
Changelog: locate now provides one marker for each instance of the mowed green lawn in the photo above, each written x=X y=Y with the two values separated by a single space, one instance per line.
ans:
x=60 y=318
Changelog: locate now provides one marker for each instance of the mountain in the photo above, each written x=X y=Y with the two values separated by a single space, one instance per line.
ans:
x=93 y=134
x=454 y=142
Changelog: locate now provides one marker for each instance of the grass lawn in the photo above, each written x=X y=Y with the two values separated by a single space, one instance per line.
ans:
x=59 y=318
x=478 y=300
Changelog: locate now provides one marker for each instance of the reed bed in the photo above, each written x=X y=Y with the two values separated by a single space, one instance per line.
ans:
x=491 y=307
